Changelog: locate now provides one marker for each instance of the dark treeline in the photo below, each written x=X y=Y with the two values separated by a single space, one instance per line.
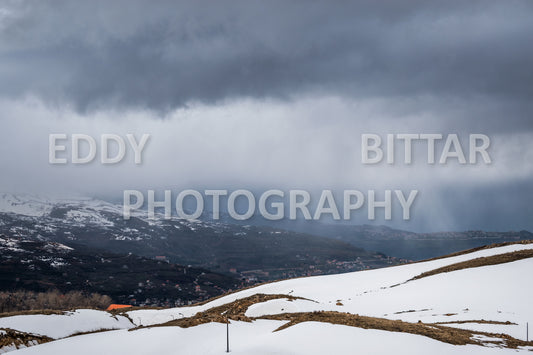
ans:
x=28 y=300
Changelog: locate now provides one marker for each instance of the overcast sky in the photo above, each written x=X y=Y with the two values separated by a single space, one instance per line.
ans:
x=260 y=95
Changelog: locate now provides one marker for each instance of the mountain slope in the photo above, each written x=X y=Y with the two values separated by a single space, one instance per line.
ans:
x=480 y=309
x=257 y=252
x=40 y=266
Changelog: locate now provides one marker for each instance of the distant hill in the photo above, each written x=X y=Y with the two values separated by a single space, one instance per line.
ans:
x=405 y=244
x=419 y=246
x=40 y=266
x=254 y=252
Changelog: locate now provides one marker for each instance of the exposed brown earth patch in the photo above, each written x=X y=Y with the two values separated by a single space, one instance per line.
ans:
x=32 y=312
x=468 y=251
x=483 y=261
x=230 y=311
x=15 y=338
x=478 y=321
x=442 y=333
x=102 y=330
x=236 y=311
x=413 y=311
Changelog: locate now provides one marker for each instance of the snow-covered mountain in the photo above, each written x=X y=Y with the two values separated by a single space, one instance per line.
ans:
x=80 y=209
x=257 y=252
x=477 y=302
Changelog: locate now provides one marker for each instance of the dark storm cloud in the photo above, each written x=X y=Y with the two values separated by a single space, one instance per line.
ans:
x=274 y=94
x=164 y=54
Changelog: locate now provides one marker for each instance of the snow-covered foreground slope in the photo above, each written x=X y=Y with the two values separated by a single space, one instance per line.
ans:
x=498 y=288
x=483 y=299
x=256 y=338
x=58 y=326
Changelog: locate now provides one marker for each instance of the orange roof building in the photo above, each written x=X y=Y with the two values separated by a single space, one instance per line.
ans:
x=117 y=306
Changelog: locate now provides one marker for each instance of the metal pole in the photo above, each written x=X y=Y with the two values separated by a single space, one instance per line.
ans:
x=527 y=331
x=227 y=335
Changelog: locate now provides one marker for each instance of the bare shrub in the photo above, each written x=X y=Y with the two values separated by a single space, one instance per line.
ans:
x=16 y=301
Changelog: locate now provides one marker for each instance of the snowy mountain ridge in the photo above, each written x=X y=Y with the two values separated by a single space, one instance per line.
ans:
x=217 y=246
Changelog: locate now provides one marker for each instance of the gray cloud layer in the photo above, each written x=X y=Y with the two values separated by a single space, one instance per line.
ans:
x=274 y=94
x=164 y=54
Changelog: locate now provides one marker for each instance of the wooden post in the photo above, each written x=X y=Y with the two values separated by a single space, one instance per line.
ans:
x=227 y=335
